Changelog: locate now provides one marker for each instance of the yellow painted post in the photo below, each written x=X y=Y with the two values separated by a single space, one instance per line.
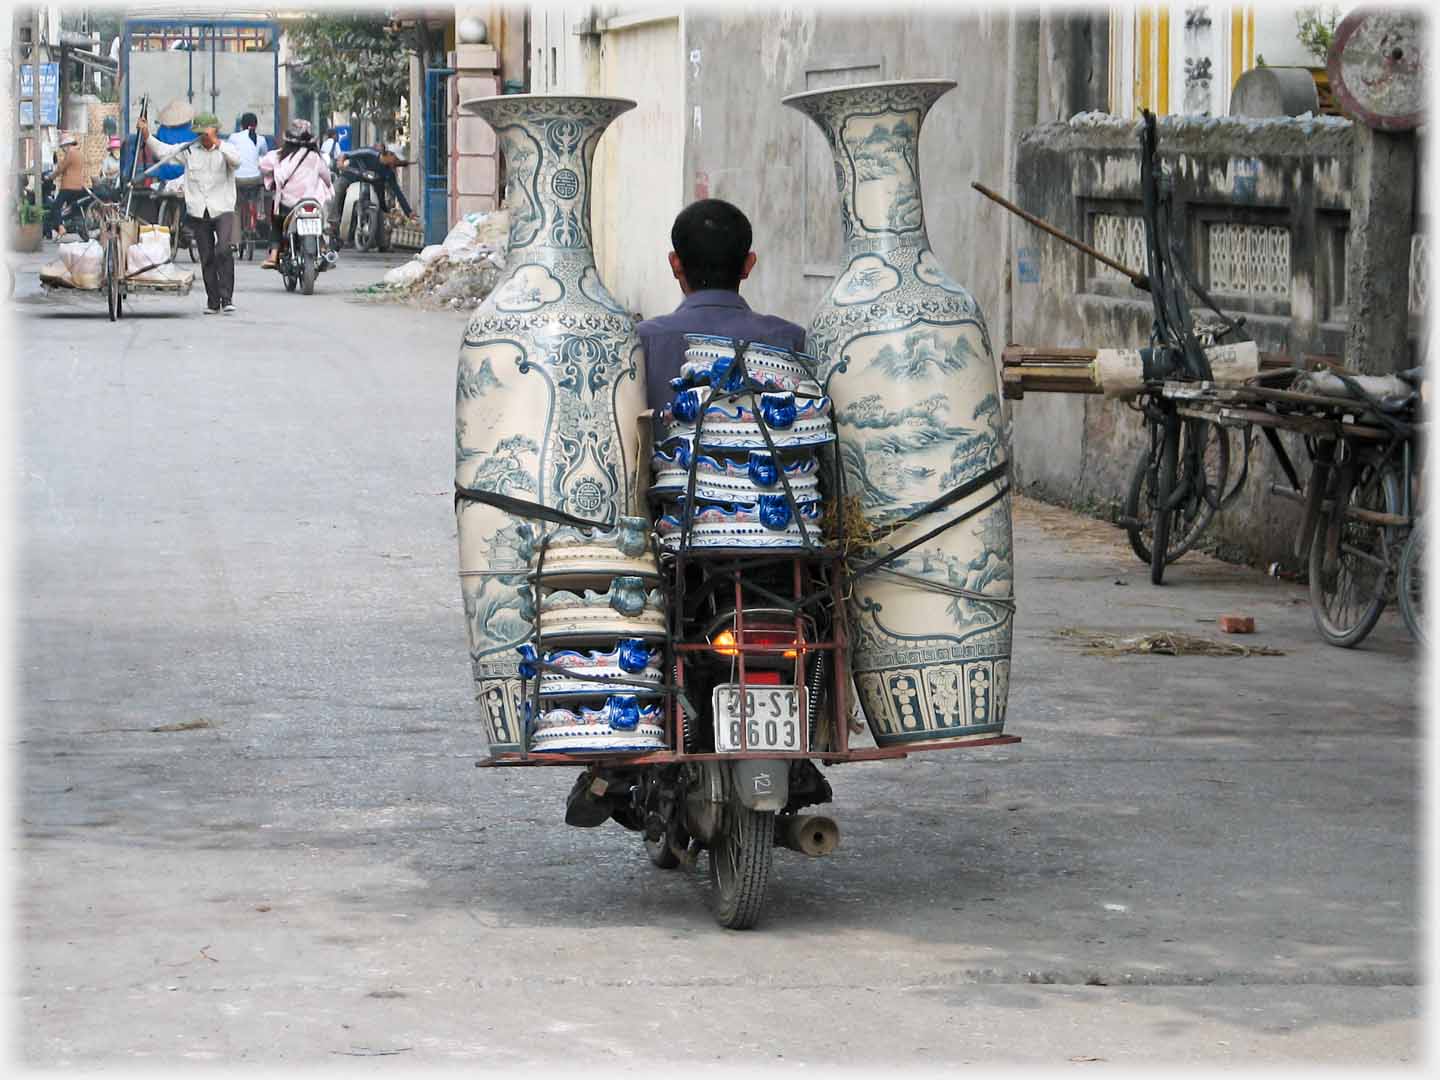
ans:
x=1143 y=40
x=1163 y=51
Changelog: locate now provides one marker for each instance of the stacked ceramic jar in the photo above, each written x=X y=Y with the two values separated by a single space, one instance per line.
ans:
x=600 y=628
x=737 y=428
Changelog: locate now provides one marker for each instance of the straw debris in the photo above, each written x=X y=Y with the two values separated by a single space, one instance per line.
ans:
x=1164 y=643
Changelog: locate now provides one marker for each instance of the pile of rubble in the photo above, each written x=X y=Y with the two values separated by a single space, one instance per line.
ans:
x=458 y=273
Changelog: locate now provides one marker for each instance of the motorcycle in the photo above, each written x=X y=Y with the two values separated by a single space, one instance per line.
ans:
x=368 y=231
x=303 y=254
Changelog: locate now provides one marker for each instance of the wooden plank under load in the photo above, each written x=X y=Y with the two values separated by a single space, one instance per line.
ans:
x=1044 y=369
x=1053 y=370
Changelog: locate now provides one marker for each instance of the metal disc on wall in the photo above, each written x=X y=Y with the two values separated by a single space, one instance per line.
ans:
x=1378 y=66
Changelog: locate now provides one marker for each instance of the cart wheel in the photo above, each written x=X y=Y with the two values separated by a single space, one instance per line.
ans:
x=740 y=865
x=1203 y=492
x=1348 y=591
x=112 y=279
x=1412 y=583
x=1165 y=483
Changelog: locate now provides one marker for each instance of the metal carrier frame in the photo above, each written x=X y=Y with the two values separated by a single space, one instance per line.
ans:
x=814 y=558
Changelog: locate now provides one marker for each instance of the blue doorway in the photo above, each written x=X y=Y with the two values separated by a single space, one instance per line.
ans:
x=436 y=193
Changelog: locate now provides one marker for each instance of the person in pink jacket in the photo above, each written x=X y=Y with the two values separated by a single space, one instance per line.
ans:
x=297 y=170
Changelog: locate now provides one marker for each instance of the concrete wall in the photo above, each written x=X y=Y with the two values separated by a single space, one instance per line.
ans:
x=743 y=146
x=1283 y=175
x=637 y=164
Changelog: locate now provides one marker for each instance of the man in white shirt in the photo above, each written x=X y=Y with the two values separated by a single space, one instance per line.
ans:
x=210 y=166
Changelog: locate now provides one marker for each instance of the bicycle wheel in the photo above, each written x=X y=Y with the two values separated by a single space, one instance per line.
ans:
x=112 y=278
x=1202 y=442
x=1166 y=480
x=1349 y=583
x=1412 y=583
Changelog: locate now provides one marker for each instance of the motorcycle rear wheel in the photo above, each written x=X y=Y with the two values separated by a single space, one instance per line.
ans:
x=308 y=270
x=740 y=861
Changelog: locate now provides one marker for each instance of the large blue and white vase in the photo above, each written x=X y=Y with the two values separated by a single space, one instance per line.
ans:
x=550 y=383
x=906 y=360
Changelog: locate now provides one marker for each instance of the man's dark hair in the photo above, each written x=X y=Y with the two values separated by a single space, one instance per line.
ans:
x=712 y=238
x=249 y=120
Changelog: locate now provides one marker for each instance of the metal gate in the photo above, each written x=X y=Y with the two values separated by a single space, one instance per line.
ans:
x=436 y=194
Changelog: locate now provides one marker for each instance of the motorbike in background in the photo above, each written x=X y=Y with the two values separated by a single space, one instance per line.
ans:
x=368 y=228
x=303 y=253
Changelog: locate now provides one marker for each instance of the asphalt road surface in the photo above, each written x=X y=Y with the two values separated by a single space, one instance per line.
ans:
x=249 y=828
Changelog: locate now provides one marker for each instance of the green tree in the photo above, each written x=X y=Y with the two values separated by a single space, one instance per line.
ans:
x=356 y=62
x=1315 y=27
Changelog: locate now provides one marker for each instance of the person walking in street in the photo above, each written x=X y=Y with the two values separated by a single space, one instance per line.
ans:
x=296 y=171
x=381 y=160
x=711 y=256
x=210 y=165
x=70 y=181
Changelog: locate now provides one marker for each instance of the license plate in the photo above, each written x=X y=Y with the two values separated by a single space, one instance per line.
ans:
x=308 y=226
x=770 y=717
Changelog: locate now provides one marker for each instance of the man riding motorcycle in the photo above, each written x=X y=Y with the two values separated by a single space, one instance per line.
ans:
x=381 y=160
x=295 y=171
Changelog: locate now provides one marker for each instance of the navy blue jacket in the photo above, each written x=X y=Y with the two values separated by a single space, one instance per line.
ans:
x=369 y=159
x=706 y=311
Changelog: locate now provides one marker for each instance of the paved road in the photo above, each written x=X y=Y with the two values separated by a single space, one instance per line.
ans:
x=250 y=829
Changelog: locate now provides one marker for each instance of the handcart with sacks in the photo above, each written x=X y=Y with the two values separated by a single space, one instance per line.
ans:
x=128 y=256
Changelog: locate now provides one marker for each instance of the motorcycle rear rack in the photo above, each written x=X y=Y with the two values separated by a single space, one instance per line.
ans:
x=673 y=757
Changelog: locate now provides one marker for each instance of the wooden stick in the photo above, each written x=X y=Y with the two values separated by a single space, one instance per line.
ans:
x=1140 y=281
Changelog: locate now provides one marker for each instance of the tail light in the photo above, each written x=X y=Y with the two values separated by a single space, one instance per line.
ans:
x=724 y=642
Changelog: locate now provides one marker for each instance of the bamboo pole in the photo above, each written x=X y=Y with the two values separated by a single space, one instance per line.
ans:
x=1139 y=280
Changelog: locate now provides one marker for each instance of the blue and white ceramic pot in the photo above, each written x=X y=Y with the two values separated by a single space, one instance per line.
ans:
x=906 y=360
x=550 y=382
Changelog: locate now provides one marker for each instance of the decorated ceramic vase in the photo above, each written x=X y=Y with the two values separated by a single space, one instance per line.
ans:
x=549 y=387
x=906 y=362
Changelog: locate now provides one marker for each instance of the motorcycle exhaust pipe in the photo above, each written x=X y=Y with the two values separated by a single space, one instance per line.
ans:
x=809 y=834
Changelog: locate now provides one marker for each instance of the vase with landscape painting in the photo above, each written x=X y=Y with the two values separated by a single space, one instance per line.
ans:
x=906 y=359
x=549 y=388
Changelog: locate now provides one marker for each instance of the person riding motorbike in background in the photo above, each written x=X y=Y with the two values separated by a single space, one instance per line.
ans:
x=70 y=180
x=296 y=171
x=381 y=160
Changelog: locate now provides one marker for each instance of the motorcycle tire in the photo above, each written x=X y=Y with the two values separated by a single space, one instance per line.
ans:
x=308 y=270
x=366 y=225
x=290 y=282
x=740 y=859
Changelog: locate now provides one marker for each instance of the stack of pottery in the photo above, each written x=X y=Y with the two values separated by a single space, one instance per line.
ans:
x=599 y=617
x=908 y=364
x=713 y=427
x=548 y=392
